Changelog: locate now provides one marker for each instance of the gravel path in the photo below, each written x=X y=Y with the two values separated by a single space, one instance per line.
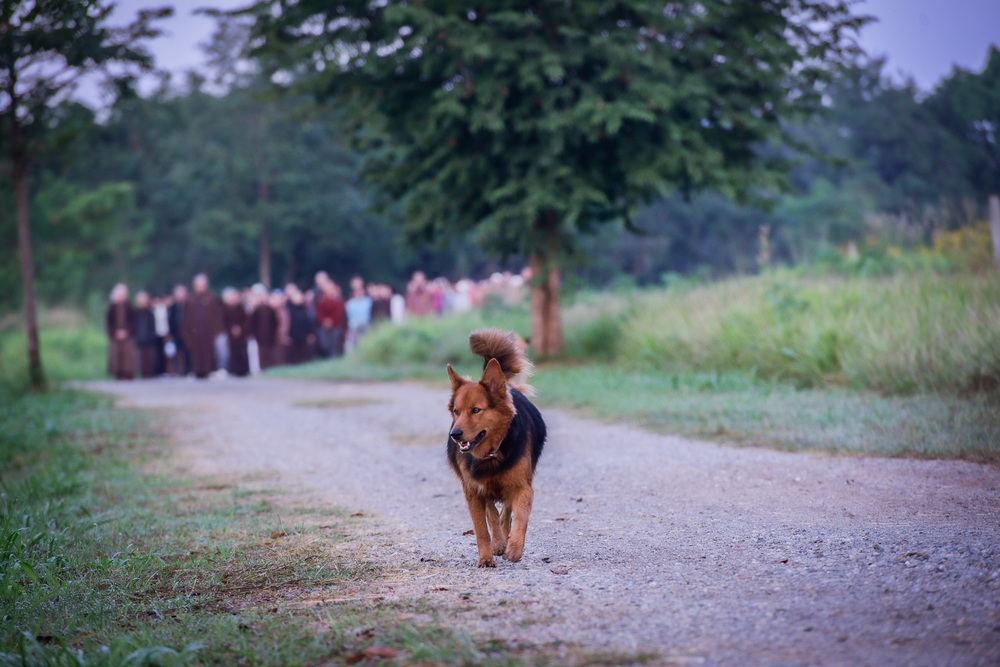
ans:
x=702 y=553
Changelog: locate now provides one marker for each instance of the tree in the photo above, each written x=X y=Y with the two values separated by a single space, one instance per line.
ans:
x=530 y=121
x=46 y=48
x=968 y=104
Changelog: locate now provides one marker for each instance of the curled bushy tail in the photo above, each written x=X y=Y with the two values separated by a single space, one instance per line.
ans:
x=508 y=349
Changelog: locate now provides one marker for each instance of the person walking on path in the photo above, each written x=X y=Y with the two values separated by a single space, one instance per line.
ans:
x=119 y=324
x=359 y=312
x=175 y=320
x=145 y=335
x=202 y=323
x=331 y=321
x=234 y=320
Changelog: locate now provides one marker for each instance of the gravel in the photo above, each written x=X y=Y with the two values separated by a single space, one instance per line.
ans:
x=697 y=552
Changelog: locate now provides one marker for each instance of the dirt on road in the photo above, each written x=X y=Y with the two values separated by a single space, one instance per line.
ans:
x=638 y=543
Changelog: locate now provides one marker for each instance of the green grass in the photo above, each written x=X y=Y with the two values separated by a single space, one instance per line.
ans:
x=899 y=366
x=103 y=565
x=72 y=348
x=898 y=335
x=742 y=409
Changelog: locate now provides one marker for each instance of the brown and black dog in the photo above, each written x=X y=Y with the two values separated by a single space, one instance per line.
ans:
x=495 y=440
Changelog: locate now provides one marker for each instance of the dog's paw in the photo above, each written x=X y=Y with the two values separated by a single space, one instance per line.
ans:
x=487 y=562
x=513 y=552
x=499 y=548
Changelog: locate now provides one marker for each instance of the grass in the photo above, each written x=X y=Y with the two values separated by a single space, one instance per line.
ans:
x=898 y=335
x=743 y=409
x=101 y=564
x=73 y=347
x=900 y=366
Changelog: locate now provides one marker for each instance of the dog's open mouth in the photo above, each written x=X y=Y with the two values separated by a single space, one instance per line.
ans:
x=466 y=446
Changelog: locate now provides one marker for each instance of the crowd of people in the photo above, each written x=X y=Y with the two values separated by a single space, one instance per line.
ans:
x=244 y=331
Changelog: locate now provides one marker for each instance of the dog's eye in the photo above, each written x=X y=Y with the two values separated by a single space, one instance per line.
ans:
x=476 y=411
x=454 y=412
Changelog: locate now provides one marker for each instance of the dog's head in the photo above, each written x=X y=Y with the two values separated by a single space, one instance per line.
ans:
x=481 y=411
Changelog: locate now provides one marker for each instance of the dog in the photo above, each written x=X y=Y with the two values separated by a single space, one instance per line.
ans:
x=496 y=437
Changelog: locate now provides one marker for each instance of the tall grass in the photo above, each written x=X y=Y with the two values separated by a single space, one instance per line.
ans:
x=898 y=335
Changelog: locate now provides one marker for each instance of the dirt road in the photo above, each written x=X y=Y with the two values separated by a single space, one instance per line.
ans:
x=701 y=553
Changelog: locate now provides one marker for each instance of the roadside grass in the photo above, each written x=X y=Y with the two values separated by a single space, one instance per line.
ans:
x=741 y=409
x=72 y=347
x=101 y=564
x=900 y=366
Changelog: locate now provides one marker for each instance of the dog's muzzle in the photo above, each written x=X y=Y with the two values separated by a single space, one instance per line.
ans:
x=464 y=446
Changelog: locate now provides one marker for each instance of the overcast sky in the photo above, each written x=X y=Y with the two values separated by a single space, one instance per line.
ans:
x=923 y=39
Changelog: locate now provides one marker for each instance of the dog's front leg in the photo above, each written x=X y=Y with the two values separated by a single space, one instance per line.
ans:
x=499 y=541
x=520 y=509
x=477 y=510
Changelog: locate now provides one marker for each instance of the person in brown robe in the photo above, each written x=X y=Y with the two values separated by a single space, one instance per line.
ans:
x=263 y=327
x=145 y=336
x=234 y=320
x=119 y=324
x=202 y=323
x=278 y=304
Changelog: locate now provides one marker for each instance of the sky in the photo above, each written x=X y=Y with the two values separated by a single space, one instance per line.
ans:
x=923 y=39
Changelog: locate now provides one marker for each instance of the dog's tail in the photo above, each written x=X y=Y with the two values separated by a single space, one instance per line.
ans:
x=508 y=349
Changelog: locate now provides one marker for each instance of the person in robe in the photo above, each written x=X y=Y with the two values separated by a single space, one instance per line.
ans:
x=145 y=335
x=300 y=329
x=280 y=306
x=263 y=327
x=234 y=321
x=175 y=317
x=419 y=300
x=331 y=321
x=119 y=324
x=381 y=303
x=202 y=323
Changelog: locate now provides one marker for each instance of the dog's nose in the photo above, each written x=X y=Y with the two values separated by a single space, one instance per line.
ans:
x=456 y=433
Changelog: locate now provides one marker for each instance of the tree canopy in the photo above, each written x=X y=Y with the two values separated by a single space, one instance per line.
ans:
x=529 y=121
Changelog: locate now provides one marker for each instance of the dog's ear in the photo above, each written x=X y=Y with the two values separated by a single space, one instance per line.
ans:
x=494 y=380
x=456 y=379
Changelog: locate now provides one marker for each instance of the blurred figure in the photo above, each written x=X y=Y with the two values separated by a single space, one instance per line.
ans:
x=419 y=301
x=331 y=320
x=161 y=320
x=202 y=323
x=234 y=321
x=381 y=296
x=264 y=328
x=119 y=324
x=280 y=306
x=300 y=333
x=359 y=312
x=175 y=319
x=145 y=335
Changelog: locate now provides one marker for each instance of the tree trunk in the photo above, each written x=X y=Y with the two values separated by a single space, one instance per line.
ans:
x=546 y=317
x=995 y=227
x=20 y=173
x=264 y=253
x=264 y=240
x=546 y=279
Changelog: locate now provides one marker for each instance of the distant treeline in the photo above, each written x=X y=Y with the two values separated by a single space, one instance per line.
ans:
x=249 y=183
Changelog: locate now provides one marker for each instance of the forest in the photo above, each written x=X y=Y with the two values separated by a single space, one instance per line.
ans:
x=223 y=172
